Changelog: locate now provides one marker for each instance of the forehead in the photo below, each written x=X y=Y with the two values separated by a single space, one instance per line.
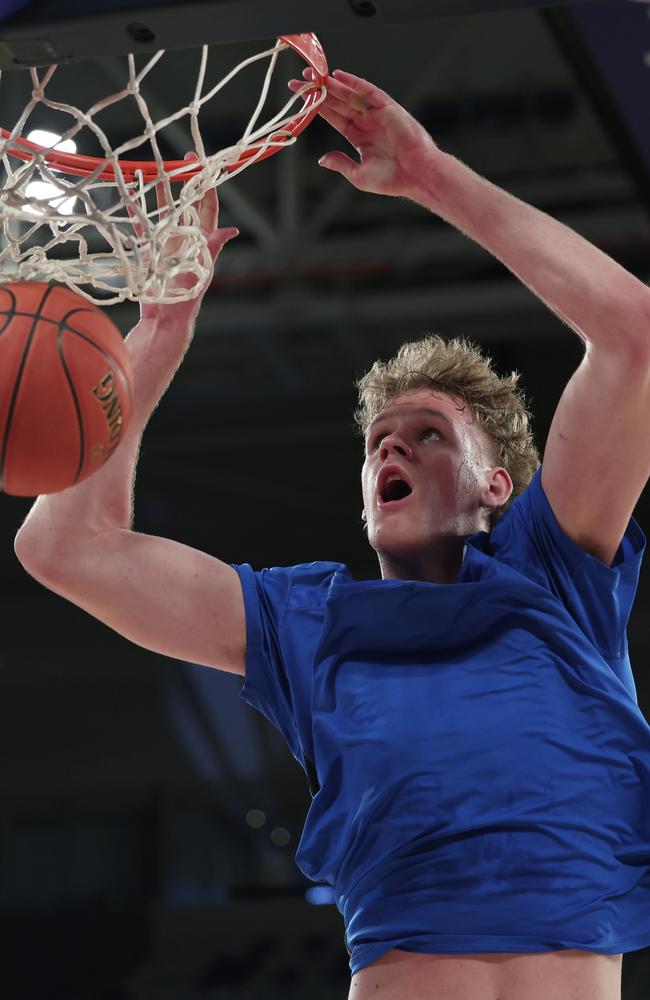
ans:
x=419 y=400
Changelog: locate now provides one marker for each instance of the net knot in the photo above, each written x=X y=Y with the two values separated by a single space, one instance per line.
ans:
x=133 y=229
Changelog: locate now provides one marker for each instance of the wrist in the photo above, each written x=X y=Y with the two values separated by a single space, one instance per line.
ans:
x=429 y=178
x=168 y=316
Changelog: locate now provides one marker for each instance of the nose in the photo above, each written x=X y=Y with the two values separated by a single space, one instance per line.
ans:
x=394 y=443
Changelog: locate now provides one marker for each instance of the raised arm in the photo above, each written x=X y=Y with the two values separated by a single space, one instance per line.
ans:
x=158 y=593
x=597 y=456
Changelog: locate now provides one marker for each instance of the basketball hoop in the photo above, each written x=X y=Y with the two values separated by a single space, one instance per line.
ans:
x=46 y=240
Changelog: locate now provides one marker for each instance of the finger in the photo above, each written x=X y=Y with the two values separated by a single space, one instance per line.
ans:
x=181 y=175
x=224 y=236
x=363 y=88
x=349 y=122
x=340 y=98
x=340 y=163
x=339 y=90
x=331 y=105
x=297 y=85
x=208 y=211
x=162 y=199
x=338 y=122
x=207 y=207
x=218 y=240
x=135 y=221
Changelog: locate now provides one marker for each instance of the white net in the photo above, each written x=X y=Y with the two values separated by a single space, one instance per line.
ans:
x=103 y=234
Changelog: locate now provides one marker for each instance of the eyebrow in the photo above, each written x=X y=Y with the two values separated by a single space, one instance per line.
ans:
x=417 y=412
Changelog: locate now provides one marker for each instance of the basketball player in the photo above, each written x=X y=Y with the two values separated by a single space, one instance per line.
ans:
x=479 y=766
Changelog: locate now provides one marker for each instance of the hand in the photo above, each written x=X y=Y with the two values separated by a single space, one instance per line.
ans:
x=207 y=210
x=394 y=149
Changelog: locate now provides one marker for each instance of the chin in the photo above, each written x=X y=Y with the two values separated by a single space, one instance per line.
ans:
x=397 y=541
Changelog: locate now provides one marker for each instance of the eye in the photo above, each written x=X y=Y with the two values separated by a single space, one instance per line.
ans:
x=430 y=430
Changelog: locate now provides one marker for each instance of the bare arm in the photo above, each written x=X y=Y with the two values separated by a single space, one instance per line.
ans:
x=79 y=543
x=584 y=287
x=597 y=455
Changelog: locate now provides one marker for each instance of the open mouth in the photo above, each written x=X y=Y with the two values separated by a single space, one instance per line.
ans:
x=394 y=492
x=396 y=489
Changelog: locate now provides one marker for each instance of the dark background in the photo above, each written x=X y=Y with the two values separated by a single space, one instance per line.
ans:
x=128 y=868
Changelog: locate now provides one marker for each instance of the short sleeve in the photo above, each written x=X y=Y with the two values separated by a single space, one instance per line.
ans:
x=598 y=597
x=266 y=685
x=284 y=609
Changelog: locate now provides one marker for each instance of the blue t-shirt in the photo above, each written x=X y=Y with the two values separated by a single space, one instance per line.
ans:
x=478 y=762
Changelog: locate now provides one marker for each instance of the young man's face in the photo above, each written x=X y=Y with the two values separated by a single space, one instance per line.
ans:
x=431 y=441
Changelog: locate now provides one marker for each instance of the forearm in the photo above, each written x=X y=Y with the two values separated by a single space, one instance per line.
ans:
x=590 y=292
x=104 y=502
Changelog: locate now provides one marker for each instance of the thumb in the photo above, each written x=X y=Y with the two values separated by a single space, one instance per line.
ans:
x=341 y=163
x=219 y=238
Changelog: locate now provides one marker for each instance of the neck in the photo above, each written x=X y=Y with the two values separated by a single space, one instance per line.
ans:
x=443 y=565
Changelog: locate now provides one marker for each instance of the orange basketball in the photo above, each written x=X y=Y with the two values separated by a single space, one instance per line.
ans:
x=66 y=388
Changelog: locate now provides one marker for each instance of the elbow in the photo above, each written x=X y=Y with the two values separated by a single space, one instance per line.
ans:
x=27 y=552
x=624 y=334
x=638 y=332
x=33 y=554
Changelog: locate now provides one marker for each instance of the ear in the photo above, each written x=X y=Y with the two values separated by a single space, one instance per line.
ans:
x=364 y=516
x=497 y=489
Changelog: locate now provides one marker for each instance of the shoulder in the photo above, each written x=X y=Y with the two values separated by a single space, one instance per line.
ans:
x=290 y=584
x=529 y=538
x=532 y=514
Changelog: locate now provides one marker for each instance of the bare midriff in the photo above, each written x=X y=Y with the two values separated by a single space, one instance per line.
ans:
x=553 y=975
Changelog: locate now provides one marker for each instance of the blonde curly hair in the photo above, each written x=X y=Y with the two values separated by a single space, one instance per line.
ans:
x=459 y=368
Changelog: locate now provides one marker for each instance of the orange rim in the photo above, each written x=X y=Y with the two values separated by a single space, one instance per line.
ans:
x=78 y=165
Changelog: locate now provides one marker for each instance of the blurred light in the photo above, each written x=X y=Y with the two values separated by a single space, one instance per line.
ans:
x=255 y=818
x=320 y=895
x=42 y=189
x=52 y=194
x=51 y=140
x=280 y=836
